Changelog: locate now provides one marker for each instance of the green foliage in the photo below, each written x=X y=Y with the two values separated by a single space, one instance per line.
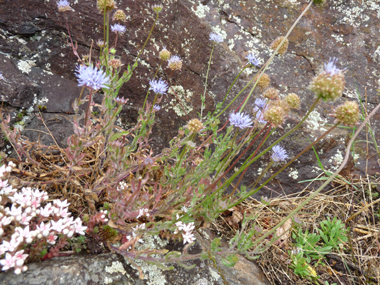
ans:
x=333 y=232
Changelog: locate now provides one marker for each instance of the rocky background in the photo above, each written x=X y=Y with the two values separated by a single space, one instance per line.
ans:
x=38 y=66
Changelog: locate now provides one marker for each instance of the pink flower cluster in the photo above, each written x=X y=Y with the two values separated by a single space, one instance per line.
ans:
x=27 y=222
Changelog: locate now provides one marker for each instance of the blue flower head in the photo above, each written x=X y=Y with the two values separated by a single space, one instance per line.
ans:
x=331 y=68
x=158 y=86
x=240 y=120
x=261 y=103
x=92 y=77
x=63 y=6
x=253 y=60
x=279 y=153
x=216 y=38
x=259 y=115
x=118 y=29
x=156 y=107
x=1 y=76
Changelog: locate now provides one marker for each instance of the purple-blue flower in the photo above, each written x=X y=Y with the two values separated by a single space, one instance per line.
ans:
x=331 y=68
x=158 y=86
x=1 y=76
x=216 y=38
x=279 y=153
x=119 y=29
x=92 y=77
x=156 y=107
x=252 y=59
x=240 y=120
x=261 y=103
x=260 y=106
x=63 y=6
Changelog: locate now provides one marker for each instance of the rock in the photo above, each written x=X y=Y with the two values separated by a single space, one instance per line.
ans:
x=34 y=49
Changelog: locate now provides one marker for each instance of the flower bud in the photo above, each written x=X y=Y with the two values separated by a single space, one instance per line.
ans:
x=274 y=115
x=164 y=54
x=100 y=43
x=284 y=47
x=194 y=125
x=17 y=270
x=348 y=113
x=271 y=93
x=264 y=81
x=157 y=8
x=119 y=16
x=293 y=100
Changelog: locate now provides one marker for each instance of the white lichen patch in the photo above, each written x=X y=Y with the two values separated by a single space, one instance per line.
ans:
x=116 y=267
x=336 y=160
x=214 y=274
x=376 y=54
x=293 y=173
x=183 y=107
x=201 y=10
x=108 y=280
x=315 y=122
x=25 y=66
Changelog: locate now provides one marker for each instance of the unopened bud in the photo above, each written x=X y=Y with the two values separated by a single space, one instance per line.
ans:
x=293 y=100
x=164 y=54
x=119 y=16
x=157 y=8
x=115 y=63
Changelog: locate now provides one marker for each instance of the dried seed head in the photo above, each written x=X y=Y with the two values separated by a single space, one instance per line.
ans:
x=114 y=63
x=164 y=54
x=347 y=114
x=281 y=103
x=107 y=5
x=119 y=16
x=194 y=125
x=264 y=81
x=284 y=47
x=271 y=93
x=293 y=100
x=197 y=160
x=274 y=115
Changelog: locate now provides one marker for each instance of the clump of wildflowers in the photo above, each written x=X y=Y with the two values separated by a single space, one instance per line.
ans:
x=92 y=77
x=253 y=60
x=264 y=81
x=284 y=47
x=64 y=6
x=279 y=154
x=216 y=37
x=348 y=113
x=329 y=84
x=271 y=93
x=164 y=54
x=194 y=125
x=293 y=100
x=175 y=62
x=274 y=115
x=240 y=120
x=118 y=29
x=119 y=16
x=158 y=86
x=107 y=5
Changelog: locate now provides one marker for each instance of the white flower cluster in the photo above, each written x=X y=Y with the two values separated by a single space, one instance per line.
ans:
x=188 y=236
x=18 y=223
x=143 y=212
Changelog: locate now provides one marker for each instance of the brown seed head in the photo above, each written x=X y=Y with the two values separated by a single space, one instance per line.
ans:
x=271 y=93
x=264 y=81
x=328 y=87
x=164 y=54
x=107 y=5
x=114 y=63
x=194 y=125
x=274 y=115
x=119 y=16
x=348 y=113
x=293 y=100
x=281 y=103
x=284 y=47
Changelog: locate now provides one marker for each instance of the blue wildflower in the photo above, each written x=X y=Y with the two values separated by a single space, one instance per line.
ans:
x=261 y=103
x=260 y=106
x=63 y=6
x=240 y=120
x=216 y=38
x=1 y=76
x=331 y=68
x=92 y=77
x=158 y=86
x=253 y=60
x=279 y=153
x=118 y=29
x=156 y=107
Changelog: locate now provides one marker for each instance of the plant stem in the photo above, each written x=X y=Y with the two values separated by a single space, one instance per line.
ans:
x=208 y=69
